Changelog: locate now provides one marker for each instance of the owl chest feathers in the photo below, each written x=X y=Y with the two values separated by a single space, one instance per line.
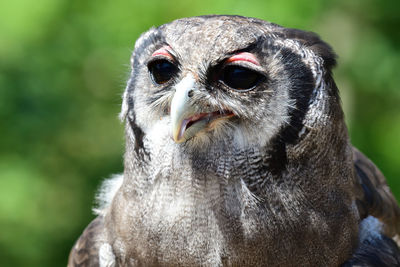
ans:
x=216 y=211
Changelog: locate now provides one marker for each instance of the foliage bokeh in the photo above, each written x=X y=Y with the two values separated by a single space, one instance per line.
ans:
x=63 y=67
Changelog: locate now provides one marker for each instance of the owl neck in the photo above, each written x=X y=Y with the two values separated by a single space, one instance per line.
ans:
x=321 y=143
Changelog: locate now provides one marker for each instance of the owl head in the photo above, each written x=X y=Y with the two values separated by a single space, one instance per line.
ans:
x=228 y=80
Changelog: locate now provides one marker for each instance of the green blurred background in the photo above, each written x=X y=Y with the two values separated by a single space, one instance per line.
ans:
x=63 y=67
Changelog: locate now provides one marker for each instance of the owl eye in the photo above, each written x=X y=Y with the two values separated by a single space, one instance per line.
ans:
x=240 y=78
x=162 y=70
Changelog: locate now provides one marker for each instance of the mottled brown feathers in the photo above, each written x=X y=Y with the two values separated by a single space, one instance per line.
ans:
x=377 y=199
x=85 y=252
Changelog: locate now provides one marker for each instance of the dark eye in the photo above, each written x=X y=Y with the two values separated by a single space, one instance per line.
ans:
x=162 y=70
x=240 y=78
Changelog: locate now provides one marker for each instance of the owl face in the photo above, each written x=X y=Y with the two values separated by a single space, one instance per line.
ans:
x=223 y=79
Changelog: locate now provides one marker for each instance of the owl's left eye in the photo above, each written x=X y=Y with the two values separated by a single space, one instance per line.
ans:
x=240 y=78
x=162 y=70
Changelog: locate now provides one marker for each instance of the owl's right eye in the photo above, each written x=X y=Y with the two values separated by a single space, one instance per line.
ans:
x=162 y=70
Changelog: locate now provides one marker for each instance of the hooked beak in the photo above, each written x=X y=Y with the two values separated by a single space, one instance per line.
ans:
x=185 y=119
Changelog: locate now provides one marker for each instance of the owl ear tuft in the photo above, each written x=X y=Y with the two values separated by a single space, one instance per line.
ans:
x=314 y=42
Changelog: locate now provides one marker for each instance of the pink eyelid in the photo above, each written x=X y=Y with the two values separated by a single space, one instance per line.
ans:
x=163 y=51
x=244 y=56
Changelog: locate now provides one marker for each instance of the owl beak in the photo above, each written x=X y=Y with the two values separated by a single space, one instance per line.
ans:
x=186 y=119
x=182 y=110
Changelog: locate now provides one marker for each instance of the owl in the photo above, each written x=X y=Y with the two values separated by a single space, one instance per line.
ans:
x=237 y=154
